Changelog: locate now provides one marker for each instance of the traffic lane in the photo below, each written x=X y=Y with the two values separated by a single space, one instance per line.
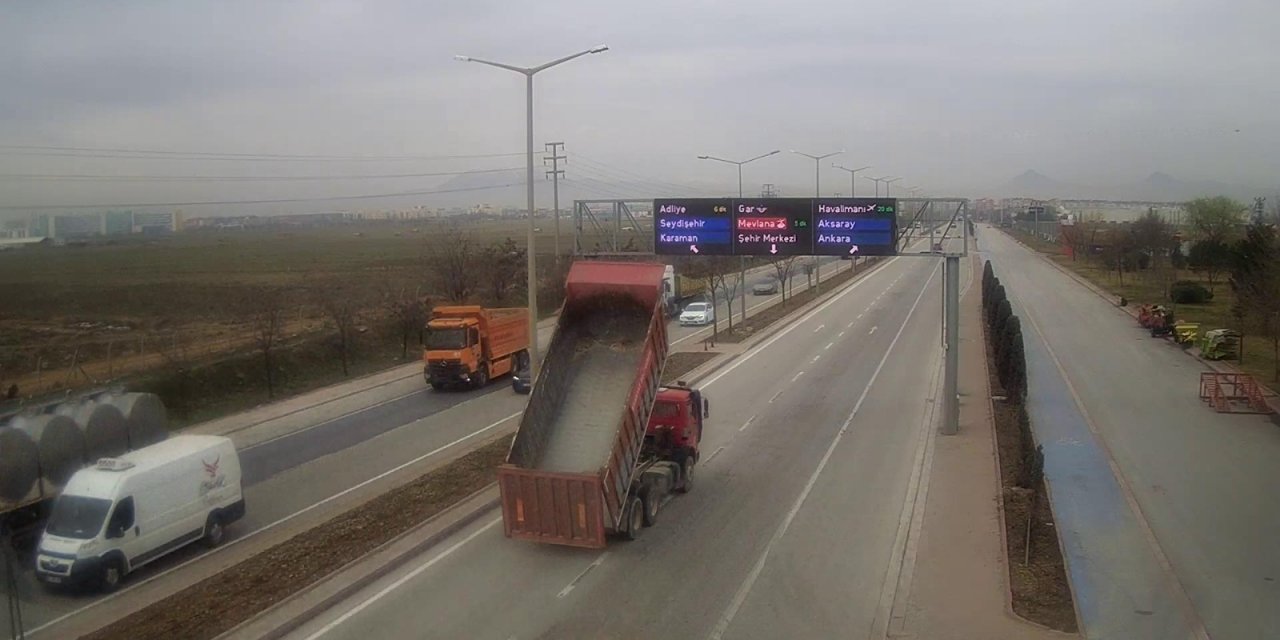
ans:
x=830 y=570
x=315 y=490
x=503 y=581
x=1204 y=481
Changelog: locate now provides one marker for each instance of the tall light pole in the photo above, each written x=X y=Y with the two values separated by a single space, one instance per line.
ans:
x=887 y=182
x=817 y=193
x=877 y=181
x=853 y=189
x=529 y=250
x=742 y=262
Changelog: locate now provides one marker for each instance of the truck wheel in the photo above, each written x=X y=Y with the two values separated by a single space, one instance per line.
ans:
x=686 y=472
x=112 y=575
x=634 y=519
x=438 y=386
x=214 y=532
x=651 y=503
x=481 y=379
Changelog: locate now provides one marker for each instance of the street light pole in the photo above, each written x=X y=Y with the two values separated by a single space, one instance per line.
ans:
x=853 y=189
x=530 y=265
x=888 y=182
x=742 y=261
x=877 y=181
x=817 y=193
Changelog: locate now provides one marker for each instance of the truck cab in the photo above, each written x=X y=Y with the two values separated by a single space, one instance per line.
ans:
x=452 y=350
x=675 y=425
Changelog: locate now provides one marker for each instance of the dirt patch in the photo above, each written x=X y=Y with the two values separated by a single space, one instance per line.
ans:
x=681 y=363
x=761 y=320
x=218 y=603
x=1038 y=579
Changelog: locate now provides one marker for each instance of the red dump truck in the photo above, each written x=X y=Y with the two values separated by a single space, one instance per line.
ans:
x=602 y=443
x=467 y=345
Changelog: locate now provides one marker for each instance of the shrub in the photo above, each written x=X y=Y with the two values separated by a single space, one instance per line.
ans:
x=1189 y=292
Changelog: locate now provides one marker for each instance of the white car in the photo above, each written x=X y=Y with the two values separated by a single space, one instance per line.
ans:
x=697 y=313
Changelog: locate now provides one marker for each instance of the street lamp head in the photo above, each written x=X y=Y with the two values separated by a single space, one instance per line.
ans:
x=462 y=58
x=600 y=48
x=704 y=157
x=775 y=151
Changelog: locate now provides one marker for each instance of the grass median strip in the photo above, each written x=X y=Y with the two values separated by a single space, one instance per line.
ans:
x=220 y=602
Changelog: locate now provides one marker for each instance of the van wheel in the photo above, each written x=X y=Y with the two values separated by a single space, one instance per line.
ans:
x=634 y=519
x=651 y=503
x=214 y=532
x=112 y=575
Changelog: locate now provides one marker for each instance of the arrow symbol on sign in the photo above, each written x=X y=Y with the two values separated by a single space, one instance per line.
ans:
x=693 y=248
x=853 y=249
x=773 y=248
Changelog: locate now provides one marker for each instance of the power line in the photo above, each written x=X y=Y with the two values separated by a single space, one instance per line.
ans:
x=151 y=178
x=153 y=154
x=369 y=196
x=664 y=185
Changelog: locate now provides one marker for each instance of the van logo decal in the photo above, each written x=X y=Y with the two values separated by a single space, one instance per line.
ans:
x=215 y=481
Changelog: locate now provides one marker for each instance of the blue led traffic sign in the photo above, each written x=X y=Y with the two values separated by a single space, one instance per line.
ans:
x=776 y=226
x=693 y=226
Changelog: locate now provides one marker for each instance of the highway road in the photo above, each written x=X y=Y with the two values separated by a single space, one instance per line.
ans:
x=794 y=530
x=314 y=470
x=1169 y=511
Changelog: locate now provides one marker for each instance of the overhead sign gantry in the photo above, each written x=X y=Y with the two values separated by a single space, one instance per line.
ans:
x=776 y=226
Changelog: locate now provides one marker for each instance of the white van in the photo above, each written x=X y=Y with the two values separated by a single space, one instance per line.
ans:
x=124 y=512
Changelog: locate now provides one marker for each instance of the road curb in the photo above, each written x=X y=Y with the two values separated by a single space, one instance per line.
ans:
x=369 y=568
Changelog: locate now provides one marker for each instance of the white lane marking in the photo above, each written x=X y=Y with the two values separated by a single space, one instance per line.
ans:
x=747 y=423
x=873 y=330
x=251 y=534
x=815 y=358
x=857 y=318
x=569 y=587
x=741 y=596
x=797 y=376
x=398 y=583
x=819 y=328
x=828 y=346
x=840 y=335
x=778 y=336
x=775 y=396
x=713 y=453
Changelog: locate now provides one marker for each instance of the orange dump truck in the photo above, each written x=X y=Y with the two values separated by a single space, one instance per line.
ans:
x=468 y=345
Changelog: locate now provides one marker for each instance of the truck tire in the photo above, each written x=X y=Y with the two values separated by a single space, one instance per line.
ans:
x=687 y=462
x=652 y=502
x=112 y=575
x=633 y=519
x=438 y=386
x=482 y=377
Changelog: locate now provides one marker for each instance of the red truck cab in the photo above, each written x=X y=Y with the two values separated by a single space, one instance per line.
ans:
x=674 y=431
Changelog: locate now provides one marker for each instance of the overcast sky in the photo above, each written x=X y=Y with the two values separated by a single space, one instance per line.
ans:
x=955 y=96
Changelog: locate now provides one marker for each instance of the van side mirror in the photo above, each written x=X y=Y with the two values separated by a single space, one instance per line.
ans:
x=706 y=408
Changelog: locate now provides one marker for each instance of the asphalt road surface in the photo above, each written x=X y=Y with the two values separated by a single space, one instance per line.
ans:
x=1173 y=529
x=791 y=532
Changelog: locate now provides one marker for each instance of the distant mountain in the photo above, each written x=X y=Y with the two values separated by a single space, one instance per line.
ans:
x=1157 y=187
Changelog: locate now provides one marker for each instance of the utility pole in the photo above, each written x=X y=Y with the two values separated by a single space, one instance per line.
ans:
x=554 y=148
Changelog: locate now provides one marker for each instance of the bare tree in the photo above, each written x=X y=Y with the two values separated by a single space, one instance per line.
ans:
x=723 y=275
x=783 y=266
x=1255 y=279
x=408 y=308
x=267 y=312
x=503 y=266
x=452 y=260
x=343 y=306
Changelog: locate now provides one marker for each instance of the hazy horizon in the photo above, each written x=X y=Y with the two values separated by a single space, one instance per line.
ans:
x=957 y=100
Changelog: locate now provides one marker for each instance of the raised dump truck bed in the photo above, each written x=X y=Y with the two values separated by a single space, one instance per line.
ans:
x=568 y=478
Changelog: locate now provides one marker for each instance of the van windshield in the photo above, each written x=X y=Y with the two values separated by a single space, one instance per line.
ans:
x=77 y=517
x=446 y=339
